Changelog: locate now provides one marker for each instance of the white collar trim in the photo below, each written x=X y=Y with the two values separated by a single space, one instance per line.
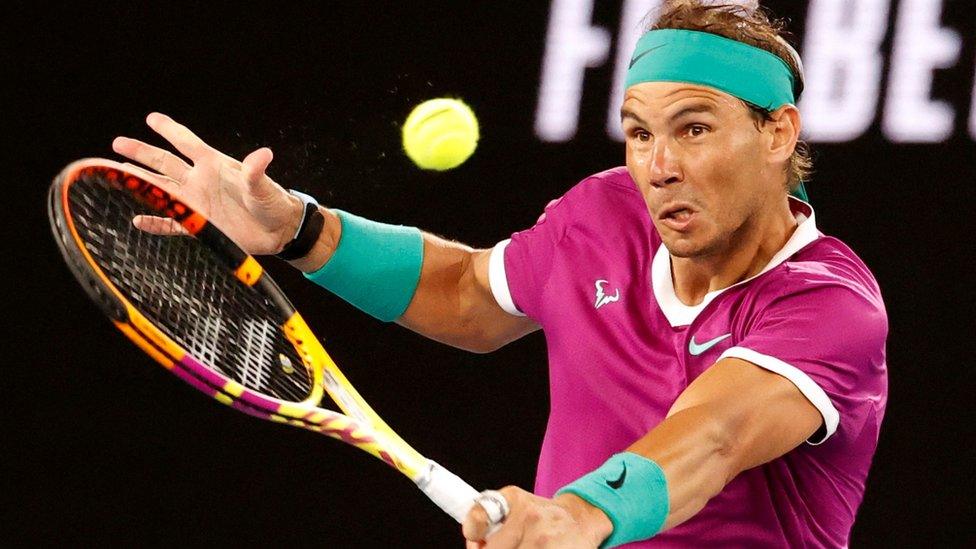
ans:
x=679 y=314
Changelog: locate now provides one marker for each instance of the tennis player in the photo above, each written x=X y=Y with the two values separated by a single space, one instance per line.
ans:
x=717 y=364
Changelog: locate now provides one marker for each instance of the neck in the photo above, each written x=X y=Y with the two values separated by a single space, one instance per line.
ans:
x=744 y=255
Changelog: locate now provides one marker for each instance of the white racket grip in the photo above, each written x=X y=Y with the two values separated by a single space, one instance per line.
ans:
x=447 y=490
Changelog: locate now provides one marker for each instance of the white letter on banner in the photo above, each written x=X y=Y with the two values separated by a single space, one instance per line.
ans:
x=842 y=62
x=920 y=46
x=572 y=45
x=631 y=28
x=972 y=109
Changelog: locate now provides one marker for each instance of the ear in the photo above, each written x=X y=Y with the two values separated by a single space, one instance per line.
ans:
x=784 y=131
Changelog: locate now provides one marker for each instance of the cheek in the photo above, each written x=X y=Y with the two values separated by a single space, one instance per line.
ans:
x=733 y=167
x=744 y=147
x=635 y=166
x=720 y=176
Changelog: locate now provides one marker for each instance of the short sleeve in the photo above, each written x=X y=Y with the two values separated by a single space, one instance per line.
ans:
x=828 y=338
x=519 y=267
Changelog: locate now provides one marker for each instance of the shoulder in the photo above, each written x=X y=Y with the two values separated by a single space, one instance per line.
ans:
x=606 y=186
x=617 y=178
x=610 y=194
x=828 y=261
x=824 y=276
x=613 y=182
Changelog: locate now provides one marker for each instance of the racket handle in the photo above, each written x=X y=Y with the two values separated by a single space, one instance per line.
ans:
x=447 y=490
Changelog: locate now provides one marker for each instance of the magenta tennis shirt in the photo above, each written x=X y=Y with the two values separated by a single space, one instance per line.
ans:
x=595 y=276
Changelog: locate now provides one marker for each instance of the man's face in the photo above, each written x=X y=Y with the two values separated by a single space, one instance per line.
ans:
x=698 y=159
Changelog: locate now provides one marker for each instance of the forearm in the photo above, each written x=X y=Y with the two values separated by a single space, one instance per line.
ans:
x=660 y=481
x=444 y=306
x=452 y=302
x=734 y=417
x=698 y=456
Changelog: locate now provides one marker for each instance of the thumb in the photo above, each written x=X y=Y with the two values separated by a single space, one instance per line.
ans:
x=253 y=168
x=475 y=525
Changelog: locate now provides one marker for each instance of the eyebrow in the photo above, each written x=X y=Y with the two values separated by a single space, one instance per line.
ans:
x=690 y=109
x=626 y=113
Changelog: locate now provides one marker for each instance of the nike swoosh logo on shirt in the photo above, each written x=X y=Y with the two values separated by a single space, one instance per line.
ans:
x=616 y=484
x=696 y=349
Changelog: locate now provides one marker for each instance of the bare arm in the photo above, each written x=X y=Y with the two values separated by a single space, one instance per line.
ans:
x=453 y=303
x=734 y=417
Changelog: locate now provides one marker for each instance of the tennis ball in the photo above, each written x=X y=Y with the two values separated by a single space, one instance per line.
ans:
x=440 y=134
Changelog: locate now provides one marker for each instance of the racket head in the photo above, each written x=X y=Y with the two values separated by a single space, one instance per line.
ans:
x=160 y=286
x=151 y=286
x=205 y=309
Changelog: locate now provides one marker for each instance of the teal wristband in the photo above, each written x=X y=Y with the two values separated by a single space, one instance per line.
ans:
x=632 y=491
x=375 y=267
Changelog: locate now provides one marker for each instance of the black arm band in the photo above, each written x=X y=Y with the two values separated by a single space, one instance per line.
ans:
x=308 y=233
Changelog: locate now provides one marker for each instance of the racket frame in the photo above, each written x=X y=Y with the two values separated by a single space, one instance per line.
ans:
x=359 y=426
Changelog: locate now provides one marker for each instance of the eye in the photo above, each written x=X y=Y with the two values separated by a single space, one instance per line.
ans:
x=642 y=135
x=696 y=130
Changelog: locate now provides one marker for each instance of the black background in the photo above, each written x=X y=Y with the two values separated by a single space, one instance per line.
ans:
x=102 y=446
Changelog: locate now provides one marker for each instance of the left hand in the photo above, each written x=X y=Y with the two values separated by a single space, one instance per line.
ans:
x=238 y=197
x=564 y=521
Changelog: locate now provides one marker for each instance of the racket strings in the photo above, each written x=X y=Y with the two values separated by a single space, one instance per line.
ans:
x=182 y=287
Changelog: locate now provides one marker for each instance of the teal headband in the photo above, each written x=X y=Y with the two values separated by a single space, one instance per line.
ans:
x=747 y=72
x=752 y=74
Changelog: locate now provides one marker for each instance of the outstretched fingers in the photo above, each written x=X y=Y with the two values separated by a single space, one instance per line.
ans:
x=158 y=159
x=164 y=182
x=179 y=136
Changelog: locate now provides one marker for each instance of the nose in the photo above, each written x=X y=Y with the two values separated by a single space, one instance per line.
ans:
x=662 y=164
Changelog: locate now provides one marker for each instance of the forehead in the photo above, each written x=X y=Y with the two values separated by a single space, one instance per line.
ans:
x=651 y=99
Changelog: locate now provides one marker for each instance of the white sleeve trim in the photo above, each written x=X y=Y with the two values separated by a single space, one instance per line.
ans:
x=803 y=382
x=498 y=280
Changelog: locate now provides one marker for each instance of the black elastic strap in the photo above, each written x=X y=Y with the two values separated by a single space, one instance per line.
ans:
x=308 y=233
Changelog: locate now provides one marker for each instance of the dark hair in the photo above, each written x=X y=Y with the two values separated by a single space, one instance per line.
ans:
x=751 y=25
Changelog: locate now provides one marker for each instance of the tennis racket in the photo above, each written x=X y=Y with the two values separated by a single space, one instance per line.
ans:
x=208 y=312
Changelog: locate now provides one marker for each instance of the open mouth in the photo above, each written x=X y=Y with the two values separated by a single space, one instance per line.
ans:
x=681 y=214
x=677 y=216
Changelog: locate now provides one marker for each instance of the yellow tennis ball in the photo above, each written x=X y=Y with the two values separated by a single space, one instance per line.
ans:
x=440 y=134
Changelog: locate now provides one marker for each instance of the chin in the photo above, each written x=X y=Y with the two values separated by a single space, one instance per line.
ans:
x=682 y=247
x=686 y=246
